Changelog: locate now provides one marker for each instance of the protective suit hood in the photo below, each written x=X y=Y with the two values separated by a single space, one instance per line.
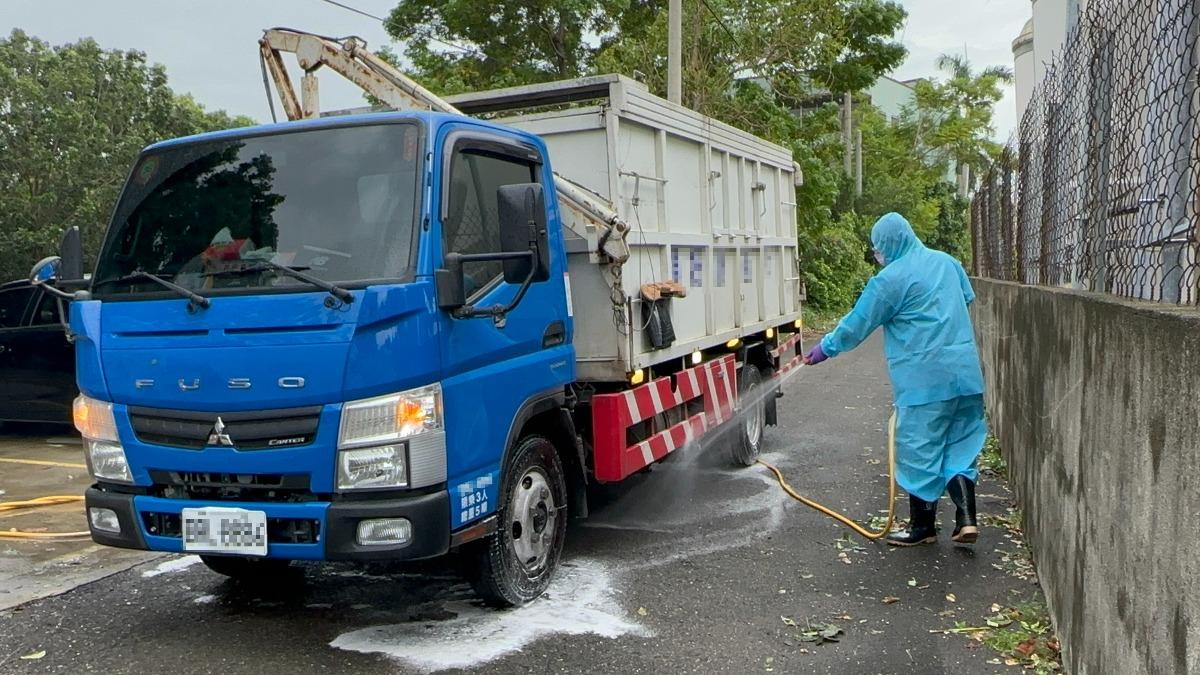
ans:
x=893 y=236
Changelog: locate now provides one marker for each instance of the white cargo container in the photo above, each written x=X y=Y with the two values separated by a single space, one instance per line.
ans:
x=709 y=206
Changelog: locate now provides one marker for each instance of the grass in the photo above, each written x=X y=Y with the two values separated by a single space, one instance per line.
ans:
x=991 y=460
x=1023 y=636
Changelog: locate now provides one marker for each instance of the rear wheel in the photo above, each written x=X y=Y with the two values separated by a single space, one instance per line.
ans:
x=516 y=563
x=751 y=420
x=236 y=567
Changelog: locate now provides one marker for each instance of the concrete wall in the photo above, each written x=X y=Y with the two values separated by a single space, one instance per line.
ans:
x=890 y=96
x=1096 y=402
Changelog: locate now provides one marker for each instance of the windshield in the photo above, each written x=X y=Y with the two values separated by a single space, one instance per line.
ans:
x=339 y=203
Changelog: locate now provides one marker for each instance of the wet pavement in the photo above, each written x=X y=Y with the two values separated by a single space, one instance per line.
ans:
x=690 y=568
x=40 y=461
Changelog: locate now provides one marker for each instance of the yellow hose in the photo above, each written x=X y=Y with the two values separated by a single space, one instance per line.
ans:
x=34 y=503
x=845 y=520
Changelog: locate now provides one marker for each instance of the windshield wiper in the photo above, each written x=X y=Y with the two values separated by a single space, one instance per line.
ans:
x=294 y=272
x=194 y=298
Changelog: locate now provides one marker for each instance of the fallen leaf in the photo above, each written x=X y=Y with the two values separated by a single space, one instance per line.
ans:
x=996 y=608
x=890 y=600
x=951 y=597
x=844 y=617
x=642 y=611
x=912 y=582
x=1027 y=647
x=806 y=576
x=788 y=621
x=1011 y=662
x=35 y=655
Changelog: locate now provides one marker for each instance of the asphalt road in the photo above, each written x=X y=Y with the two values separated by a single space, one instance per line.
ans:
x=691 y=568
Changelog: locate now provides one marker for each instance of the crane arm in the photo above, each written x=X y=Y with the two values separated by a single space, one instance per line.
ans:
x=350 y=58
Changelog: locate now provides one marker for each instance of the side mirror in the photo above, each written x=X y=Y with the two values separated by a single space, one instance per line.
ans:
x=449 y=282
x=70 y=252
x=522 y=211
x=45 y=270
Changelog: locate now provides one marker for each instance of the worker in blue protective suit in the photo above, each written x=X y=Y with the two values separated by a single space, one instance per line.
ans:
x=920 y=298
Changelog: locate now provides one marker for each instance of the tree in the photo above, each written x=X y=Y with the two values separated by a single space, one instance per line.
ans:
x=465 y=45
x=954 y=117
x=72 y=120
x=750 y=63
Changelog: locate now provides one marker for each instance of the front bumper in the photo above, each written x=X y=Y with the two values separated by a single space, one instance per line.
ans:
x=329 y=528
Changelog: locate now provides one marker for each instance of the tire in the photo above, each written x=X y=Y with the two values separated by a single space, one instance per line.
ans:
x=256 y=569
x=515 y=564
x=751 y=422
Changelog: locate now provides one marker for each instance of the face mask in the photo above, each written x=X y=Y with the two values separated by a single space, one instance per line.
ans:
x=879 y=258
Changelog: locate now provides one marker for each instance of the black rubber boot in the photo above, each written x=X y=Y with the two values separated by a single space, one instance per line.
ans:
x=922 y=524
x=966 y=527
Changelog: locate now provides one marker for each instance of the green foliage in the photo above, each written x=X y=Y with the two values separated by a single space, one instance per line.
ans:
x=950 y=233
x=508 y=43
x=835 y=266
x=953 y=118
x=775 y=68
x=72 y=121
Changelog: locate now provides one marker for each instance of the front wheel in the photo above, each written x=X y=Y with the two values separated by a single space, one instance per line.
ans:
x=751 y=419
x=516 y=564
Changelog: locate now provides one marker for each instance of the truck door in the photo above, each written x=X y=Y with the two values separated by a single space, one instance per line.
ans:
x=46 y=376
x=13 y=304
x=494 y=367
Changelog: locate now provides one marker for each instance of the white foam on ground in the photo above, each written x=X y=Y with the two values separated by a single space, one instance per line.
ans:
x=173 y=565
x=580 y=601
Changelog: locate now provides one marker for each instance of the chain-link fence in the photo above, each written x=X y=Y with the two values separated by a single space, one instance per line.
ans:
x=1099 y=189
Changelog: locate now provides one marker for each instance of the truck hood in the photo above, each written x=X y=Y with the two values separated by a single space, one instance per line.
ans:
x=260 y=352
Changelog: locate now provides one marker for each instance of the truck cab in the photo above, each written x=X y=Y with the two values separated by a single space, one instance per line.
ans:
x=324 y=340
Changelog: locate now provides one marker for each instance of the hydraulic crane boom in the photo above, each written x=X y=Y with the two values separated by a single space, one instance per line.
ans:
x=350 y=58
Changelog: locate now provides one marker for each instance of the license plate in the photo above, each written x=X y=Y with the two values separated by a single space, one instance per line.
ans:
x=225 y=530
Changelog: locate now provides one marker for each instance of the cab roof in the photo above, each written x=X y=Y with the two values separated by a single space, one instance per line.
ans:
x=430 y=119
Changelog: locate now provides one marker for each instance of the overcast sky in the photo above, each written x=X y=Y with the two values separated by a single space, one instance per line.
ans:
x=209 y=47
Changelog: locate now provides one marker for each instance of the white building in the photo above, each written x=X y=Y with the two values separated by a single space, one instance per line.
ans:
x=1040 y=40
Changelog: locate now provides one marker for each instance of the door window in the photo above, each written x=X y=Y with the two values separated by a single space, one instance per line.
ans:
x=47 y=312
x=472 y=223
x=12 y=306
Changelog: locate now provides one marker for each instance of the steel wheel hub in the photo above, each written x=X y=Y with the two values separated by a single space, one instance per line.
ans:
x=533 y=517
x=755 y=416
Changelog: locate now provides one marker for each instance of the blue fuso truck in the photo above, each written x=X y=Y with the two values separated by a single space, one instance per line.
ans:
x=385 y=336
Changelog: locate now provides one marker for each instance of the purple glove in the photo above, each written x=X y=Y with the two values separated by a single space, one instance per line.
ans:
x=815 y=356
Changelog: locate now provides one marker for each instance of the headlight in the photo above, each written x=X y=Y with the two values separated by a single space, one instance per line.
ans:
x=94 y=419
x=102 y=447
x=380 y=420
x=381 y=467
x=107 y=460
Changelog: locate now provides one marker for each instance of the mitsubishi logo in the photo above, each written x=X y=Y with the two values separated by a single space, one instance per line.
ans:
x=218 y=436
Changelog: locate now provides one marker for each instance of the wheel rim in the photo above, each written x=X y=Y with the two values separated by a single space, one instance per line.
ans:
x=754 y=417
x=533 y=519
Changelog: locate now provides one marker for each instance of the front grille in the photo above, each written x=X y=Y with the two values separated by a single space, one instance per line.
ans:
x=217 y=486
x=279 y=530
x=256 y=430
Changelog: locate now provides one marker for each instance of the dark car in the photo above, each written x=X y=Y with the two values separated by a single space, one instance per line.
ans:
x=37 y=362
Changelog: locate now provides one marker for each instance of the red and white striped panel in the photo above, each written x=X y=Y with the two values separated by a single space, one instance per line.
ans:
x=714 y=382
x=787 y=355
